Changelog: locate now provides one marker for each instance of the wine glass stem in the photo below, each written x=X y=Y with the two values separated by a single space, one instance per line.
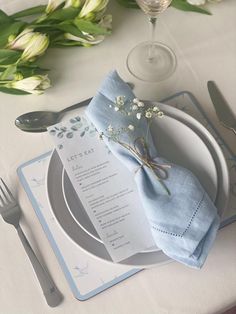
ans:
x=151 y=53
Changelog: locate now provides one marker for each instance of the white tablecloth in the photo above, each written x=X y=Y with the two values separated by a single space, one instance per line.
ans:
x=206 y=49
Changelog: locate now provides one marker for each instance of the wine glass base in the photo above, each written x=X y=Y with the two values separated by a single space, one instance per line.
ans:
x=151 y=61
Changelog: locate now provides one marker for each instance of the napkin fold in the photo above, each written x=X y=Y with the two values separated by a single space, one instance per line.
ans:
x=184 y=224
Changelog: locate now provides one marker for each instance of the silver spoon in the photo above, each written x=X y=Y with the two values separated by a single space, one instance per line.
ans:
x=38 y=121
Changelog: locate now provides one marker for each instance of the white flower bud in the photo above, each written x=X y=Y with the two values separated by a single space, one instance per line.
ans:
x=88 y=40
x=139 y=115
x=36 y=46
x=148 y=114
x=93 y=6
x=34 y=85
x=52 y=5
x=22 y=40
x=73 y=3
x=131 y=127
x=140 y=104
x=155 y=109
x=110 y=128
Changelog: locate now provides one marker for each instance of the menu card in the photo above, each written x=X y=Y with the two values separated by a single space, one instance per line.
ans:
x=105 y=188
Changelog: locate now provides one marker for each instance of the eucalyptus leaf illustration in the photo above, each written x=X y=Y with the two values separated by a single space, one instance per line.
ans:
x=52 y=132
x=73 y=120
x=82 y=134
x=69 y=135
x=74 y=128
x=60 y=135
x=60 y=146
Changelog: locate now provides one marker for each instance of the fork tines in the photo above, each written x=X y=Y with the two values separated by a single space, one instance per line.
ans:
x=5 y=195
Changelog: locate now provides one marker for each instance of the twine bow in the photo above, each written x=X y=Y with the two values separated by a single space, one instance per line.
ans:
x=141 y=152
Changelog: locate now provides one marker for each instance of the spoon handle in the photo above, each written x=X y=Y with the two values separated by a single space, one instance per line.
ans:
x=78 y=105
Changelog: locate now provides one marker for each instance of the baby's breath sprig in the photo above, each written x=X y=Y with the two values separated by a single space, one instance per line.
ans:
x=137 y=110
x=115 y=133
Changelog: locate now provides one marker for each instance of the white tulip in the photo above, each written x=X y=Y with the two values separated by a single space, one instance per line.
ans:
x=36 y=46
x=87 y=41
x=73 y=3
x=52 y=5
x=92 y=6
x=34 y=85
x=22 y=40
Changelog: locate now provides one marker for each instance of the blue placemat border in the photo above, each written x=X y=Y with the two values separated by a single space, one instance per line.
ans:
x=74 y=289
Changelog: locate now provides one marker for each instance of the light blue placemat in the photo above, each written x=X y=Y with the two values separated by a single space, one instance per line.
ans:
x=86 y=275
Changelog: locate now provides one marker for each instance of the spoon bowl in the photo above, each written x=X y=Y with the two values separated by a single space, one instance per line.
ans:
x=38 y=121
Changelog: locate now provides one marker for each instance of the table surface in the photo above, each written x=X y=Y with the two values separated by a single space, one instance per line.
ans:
x=206 y=49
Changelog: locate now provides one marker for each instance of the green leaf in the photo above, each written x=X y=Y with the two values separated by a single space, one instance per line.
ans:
x=8 y=56
x=12 y=91
x=185 y=6
x=31 y=11
x=4 y=18
x=10 y=29
x=63 y=14
x=70 y=28
x=128 y=3
x=91 y=28
x=9 y=71
x=27 y=71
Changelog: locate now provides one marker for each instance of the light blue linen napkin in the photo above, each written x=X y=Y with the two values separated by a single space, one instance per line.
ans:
x=184 y=224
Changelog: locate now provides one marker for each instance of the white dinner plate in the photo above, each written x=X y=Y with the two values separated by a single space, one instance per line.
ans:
x=218 y=176
x=184 y=148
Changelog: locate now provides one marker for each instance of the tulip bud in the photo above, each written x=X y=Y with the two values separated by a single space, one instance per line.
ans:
x=94 y=6
x=34 y=85
x=36 y=46
x=87 y=41
x=21 y=41
x=52 y=5
x=73 y=3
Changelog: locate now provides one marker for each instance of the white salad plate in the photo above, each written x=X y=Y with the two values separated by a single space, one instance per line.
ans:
x=180 y=139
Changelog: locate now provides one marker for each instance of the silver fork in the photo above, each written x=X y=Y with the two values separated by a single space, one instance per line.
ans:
x=11 y=213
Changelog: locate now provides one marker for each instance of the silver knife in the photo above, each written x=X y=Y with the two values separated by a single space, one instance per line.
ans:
x=222 y=108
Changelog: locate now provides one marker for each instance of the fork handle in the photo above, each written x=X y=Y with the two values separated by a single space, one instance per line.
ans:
x=50 y=291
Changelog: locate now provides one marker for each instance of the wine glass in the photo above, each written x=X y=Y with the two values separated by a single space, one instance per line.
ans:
x=152 y=61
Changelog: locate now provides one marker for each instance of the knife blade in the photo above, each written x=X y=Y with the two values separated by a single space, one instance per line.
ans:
x=222 y=108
